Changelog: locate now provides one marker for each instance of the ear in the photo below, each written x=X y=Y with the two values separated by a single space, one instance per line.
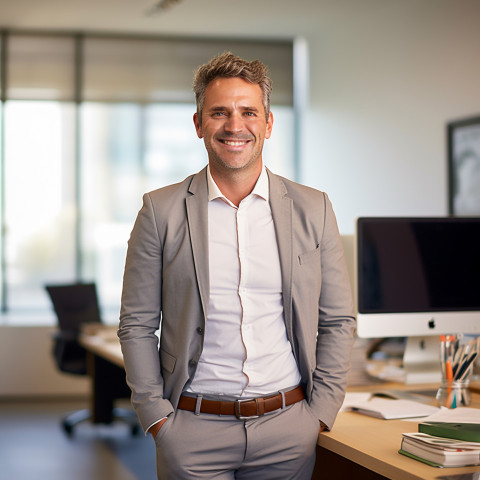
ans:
x=198 y=126
x=268 y=131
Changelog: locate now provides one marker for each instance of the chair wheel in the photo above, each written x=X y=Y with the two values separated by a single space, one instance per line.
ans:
x=135 y=429
x=68 y=428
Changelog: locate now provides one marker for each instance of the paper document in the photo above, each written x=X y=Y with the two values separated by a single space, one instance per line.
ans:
x=392 y=409
x=457 y=415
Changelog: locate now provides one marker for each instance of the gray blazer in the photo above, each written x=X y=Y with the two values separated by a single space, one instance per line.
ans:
x=166 y=281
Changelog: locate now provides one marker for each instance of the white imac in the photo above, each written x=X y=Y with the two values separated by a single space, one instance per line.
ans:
x=418 y=278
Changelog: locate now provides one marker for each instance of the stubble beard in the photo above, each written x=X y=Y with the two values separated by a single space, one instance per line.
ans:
x=219 y=163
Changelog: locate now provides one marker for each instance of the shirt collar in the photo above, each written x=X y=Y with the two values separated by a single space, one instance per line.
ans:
x=260 y=189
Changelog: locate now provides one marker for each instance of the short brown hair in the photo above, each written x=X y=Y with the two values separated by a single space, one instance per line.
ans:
x=228 y=65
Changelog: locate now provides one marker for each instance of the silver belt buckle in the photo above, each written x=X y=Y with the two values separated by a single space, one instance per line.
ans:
x=238 y=413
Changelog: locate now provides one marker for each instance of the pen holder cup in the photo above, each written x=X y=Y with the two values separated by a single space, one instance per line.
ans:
x=453 y=393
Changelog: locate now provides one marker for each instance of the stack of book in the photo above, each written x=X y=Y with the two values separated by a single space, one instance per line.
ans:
x=440 y=451
x=443 y=444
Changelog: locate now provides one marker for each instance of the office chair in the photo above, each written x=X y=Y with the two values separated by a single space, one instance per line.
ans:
x=74 y=305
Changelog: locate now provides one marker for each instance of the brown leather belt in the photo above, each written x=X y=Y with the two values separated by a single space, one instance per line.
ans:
x=242 y=409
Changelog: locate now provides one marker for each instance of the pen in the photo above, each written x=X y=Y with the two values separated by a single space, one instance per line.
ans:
x=459 y=357
x=463 y=371
x=442 y=355
x=449 y=371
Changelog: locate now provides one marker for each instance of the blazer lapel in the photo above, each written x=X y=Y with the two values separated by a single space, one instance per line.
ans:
x=281 y=206
x=197 y=218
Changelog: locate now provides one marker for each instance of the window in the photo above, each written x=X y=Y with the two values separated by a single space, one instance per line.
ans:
x=39 y=200
x=90 y=123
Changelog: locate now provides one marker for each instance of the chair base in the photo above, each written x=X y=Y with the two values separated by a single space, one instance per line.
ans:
x=123 y=414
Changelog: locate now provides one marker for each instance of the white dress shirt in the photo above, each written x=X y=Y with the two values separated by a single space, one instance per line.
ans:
x=246 y=351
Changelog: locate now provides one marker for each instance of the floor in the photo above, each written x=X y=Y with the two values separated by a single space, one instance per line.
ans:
x=33 y=446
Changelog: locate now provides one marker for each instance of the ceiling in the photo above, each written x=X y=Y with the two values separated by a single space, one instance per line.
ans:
x=258 y=18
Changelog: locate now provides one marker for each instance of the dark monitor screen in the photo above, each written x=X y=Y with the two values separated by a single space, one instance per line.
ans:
x=418 y=264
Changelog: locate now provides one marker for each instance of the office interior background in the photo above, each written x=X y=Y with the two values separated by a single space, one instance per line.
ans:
x=365 y=90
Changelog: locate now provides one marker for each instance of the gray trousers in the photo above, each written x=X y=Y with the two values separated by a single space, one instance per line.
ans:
x=277 y=446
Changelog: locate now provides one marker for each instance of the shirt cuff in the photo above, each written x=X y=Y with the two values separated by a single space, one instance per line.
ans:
x=154 y=423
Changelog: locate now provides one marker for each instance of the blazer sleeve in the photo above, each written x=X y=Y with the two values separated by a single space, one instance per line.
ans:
x=140 y=318
x=336 y=324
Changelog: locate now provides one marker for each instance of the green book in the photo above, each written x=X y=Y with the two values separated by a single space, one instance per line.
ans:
x=469 y=432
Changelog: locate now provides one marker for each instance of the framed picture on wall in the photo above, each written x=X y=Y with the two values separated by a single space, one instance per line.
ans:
x=464 y=166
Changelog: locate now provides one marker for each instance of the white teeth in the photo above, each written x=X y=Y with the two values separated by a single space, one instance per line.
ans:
x=234 y=144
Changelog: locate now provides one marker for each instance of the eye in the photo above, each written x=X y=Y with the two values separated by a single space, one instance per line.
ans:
x=218 y=114
x=250 y=114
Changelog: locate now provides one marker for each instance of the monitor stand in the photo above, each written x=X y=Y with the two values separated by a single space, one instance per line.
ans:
x=421 y=360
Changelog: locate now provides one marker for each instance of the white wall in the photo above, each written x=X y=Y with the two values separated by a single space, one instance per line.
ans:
x=386 y=77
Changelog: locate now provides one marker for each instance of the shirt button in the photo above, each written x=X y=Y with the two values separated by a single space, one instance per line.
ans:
x=192 y=363
x=200 y=330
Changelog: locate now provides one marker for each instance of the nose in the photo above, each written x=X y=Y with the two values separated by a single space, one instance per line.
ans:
x=234 y=123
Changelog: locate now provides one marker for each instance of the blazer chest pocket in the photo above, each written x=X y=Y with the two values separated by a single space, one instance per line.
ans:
x=310 y=256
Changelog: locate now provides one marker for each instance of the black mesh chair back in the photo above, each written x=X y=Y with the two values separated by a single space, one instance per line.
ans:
x=74 y=305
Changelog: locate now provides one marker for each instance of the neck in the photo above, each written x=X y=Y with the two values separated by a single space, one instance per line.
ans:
x=236 y=185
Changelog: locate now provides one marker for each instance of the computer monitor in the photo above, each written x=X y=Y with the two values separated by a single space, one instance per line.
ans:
x=418 y=278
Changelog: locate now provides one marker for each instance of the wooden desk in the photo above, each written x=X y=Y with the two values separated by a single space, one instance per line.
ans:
x=366 y=448
x=106 y=370
x=103 y=342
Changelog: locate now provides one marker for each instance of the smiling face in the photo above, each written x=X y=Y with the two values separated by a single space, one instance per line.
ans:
x=233 y=125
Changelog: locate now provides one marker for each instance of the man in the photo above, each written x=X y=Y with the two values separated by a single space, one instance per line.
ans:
x=243 y=272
